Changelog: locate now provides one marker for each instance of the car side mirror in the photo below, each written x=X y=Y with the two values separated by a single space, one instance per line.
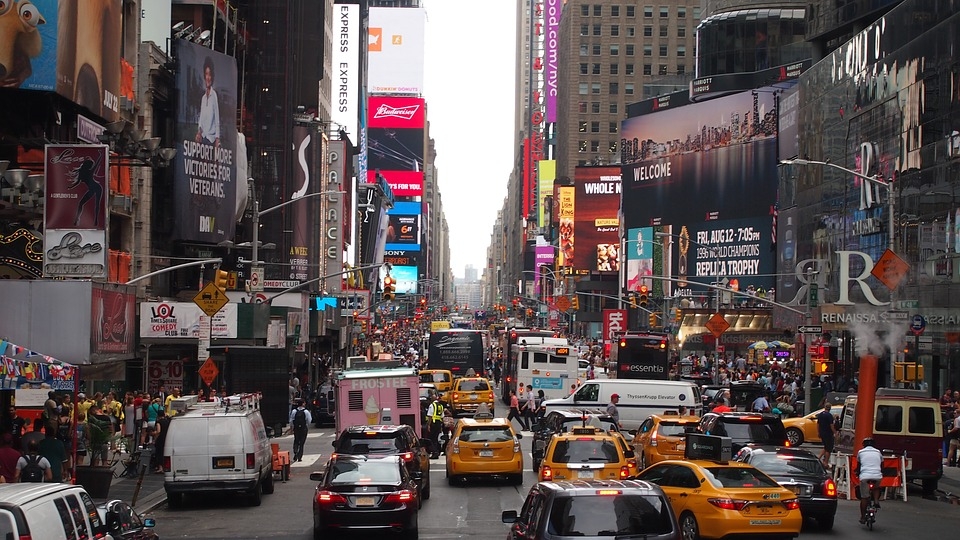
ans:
x=316 y=476
x=149 y=523
x=113 y=521
x=334 y=444
x=629 y=454
x=508 y=516
x=519 y=436
x=416 y=475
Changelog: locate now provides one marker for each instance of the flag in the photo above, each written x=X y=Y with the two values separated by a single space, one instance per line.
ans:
x=773 y=227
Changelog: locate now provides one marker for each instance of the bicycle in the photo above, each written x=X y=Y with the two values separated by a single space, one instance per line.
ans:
x=870 y=515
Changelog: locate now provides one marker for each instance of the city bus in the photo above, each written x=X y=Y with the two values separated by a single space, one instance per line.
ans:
x=514 y=336
x=551 y=367
x=457 y=350
x=642 y=355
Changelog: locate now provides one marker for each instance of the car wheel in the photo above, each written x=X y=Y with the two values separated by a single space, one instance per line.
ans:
x=256 y=495
x=426 y=488
x=319 y=533
x=452 y=480
x=643 y=461
x=795 y=436
x=268 y=485
x=689 y=530
x=174 y=500
x=930 y=487
x=825 y=522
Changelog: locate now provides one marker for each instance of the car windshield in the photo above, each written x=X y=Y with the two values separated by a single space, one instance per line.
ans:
x=474 y=386
x=364 y=472
x=369 y=445
x=676 y=430
x=755 y=432
x=738 y=477
x=582 y=451
x=609 y=515
x=486 y=434
x=434 y=377
x=777 y=465
x=592 y=421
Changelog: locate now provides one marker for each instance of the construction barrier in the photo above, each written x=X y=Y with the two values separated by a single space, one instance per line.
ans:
x=893 y=483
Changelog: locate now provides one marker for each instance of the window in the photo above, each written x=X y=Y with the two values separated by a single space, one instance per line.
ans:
x=594 y=127
x=594 y=146
x=889 y=418
x=614 y=50
x=584 y=30
x=614 y=69
x=664 y=12
x=613 y=126
x=663 y=69
x=681 y=50
x=631 y=11
x=614 y=11
x=596 y=50
x=595 y=107
x=629 y=70
x=582 y=107
x=581 y=146
x=584 y=49
x=583 y=88
x=583 y=126
x=631 y=49
x=614 y=88
x=631 y=31
x=921 y=420
x=613 y=108
x=614 y=29
x=596 y=68
x=647 y=69
x=583 y=68
x=613 y=147
x=681 y=12
x=595 y=88
x=648 y=11
x=696 y=12
x=596 y=29
x=648 y=50
x=584 y=10
x=647 y=31
x=598 y=11
x=681 y=31
x=681 y=69
x=628 y=89
x=663 y=50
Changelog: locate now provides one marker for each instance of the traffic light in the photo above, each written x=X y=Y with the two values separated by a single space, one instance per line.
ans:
x=388 y=288
x=423 y=302
x=220 y=279
x=644 y=298
x=575 y=303
x=653 y=320
x=633 y=300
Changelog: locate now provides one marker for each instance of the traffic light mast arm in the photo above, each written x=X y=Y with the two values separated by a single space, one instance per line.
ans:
x=175 y=267
x=315 y=280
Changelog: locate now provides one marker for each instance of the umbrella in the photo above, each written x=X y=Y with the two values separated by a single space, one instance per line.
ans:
x=760 y=345
x=779 y=344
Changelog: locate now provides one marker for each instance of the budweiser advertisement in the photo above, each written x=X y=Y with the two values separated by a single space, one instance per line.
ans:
x=395 y=143
x=75 y=214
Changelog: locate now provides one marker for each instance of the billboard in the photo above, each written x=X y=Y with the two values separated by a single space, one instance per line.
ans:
x=113 y=319
x=205 y=168
x=594 y=241
x=335 y=211
x=723 y=151
x=395 y=143
x=395 y=50
x=403 y=230
x=551 y=53
x=179 y=320
x=304 y=143
x=401 y=258
x=346 y=67
x=75 y=211
x=88 y=54
x=546 y=174
x=543 y=256
x=565 y=214
x=404 y=278
x=639 y=249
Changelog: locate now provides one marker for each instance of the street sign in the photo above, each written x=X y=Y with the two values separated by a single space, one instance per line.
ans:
x=814 y=295
x=211 y=299
x=256 y=278
x=918 y=324
x=208 y=371
x=890 y=269
x=563 y=303
x=717 y=325
x=894 y=315
x=809 y=329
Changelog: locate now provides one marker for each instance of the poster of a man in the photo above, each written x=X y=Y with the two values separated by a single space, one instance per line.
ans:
x=208 y=124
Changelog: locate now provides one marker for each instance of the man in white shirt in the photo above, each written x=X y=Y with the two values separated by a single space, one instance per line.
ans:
x=761 y=404
x=870 y=466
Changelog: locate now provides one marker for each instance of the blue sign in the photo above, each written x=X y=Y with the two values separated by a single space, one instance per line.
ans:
x=918 y=324
x=547 y=383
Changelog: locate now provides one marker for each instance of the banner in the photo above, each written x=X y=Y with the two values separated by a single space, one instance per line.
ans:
x=551 y=61
x=178 y=320
x=113 y=319
x=346 y=67
x=614 y=324
x=565 y=213
x=299 y=255
x=596 y=221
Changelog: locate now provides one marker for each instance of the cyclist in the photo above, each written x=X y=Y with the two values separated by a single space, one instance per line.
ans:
x=869 y=465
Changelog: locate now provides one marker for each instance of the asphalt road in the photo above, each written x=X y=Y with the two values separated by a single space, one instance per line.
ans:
x=473 y=511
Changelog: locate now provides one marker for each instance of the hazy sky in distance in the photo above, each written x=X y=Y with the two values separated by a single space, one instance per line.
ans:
x=469 y=89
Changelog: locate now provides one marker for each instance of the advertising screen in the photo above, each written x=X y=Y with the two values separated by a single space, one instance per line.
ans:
x=205 y=167
x=395 y=50
x=595 y=237
x=639 y=250
x=405 y=279
x=395 y=143
x=403 y=231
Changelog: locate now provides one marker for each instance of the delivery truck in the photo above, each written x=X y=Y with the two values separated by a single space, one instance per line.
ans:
x=367 y=397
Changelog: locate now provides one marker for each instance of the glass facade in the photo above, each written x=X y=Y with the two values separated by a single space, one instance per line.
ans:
x=750 y=40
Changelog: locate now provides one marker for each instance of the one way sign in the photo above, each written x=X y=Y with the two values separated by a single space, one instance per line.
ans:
x=809 y=329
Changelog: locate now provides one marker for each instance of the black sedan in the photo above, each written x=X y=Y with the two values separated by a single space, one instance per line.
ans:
x=365 y=494
x=125 y=524
x=800 y=472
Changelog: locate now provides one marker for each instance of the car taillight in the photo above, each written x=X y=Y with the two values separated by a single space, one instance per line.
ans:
x=792 y=504
x=456 y=445
x=830 y=488
x=456 y=396
x=509 y=379
x=251 y=460
x=406 y=456
x=546 y=473
x=728 y=504
x=786 y=442
x=166 y=463
x=329 y=497
x=516 y=445
x=402 y=496
x=632 y=463
x=653 y=439
x=624 y=472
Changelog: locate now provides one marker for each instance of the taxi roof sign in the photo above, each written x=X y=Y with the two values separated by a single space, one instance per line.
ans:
x=707 y=447
x=585 y=430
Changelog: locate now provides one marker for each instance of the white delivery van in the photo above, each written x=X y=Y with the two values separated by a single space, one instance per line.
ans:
x=638 y=398
x=218 y=447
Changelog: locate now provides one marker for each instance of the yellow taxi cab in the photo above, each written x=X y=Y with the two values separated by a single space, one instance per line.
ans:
x=468 y=393
x=804 y=428
x=661 y=437
x=585 y=453
x=442 y=379
x=484 y=446
x=714 y=497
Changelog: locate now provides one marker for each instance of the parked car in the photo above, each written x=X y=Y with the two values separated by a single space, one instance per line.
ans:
x=803 y=429
x=378 y=441
x=757 y=429
x=48 y=512
x=594 y=509
x=124 y=523
x=364 y=493
x=802 y=473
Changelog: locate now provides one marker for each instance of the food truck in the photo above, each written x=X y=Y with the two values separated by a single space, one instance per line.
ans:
x=375 y=396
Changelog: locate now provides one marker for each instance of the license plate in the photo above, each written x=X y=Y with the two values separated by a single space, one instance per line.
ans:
x=584 y=474
x=473 y=397
x=223 y=462
x=486 y=453
x=764 y=521
x=365 y=501
x=765 y=509
x=681 y=447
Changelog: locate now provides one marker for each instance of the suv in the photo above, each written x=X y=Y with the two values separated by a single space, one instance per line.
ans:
x=377 y=441
x=48 y=511
x=756 y=429
x=586 y=453
x=593 y=509
x=468 y=393
x=562 y=421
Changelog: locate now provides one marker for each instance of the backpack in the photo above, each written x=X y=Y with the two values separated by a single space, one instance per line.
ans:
x=32 y=471
x=300 y=419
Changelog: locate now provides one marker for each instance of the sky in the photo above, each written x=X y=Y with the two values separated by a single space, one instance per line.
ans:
x=469 y=89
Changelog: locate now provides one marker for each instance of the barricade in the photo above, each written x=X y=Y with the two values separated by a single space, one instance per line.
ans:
x=893 y=483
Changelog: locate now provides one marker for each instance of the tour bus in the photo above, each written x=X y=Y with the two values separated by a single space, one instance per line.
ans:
x=643 y=355
x=457 y=350
x=508 y=339
x=551 y=367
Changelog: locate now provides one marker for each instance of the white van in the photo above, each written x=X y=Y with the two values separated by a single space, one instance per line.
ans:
x=218 y=447
x=638 y=398
x=48 y=511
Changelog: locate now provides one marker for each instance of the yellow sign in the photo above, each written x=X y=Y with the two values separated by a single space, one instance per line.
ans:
x=211 y=299
x=717 y=325
x=439 y=325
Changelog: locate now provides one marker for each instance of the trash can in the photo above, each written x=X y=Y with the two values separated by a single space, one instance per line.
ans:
x=96 y=480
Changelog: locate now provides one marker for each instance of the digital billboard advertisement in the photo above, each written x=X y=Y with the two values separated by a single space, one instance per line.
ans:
x=395 y=143
x=546 y=174
x=404 y=279
x=298 y=257
x=641 y=249
x=706 y=173
x=205 y=168
x=395 y=50
x=346 y=67
x=543 y=257
x=594 y=241
x=551 y=53
x=403 y=231
x=75 y=211
x=565 y=215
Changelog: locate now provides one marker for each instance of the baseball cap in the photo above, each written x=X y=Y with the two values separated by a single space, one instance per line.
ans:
x=81 y=395
x=614 y=396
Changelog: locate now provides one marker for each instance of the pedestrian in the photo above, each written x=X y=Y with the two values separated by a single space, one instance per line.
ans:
x=954 y=435
x=760 y=405
x=514 y=413
x=51 y=411
x=82 y=436
x=530 y=408
x=612 y=409
x=496 y=373
x=17 y=425
x=541 y=397
x=100 y=434
x=55 y=453
x=435 y=418
x=32 y=467
x=159 y=436
x=826 y=427
x=9 y=455
x=300 y=420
